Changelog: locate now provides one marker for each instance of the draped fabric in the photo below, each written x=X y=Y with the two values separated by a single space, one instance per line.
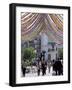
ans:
x=34 y=23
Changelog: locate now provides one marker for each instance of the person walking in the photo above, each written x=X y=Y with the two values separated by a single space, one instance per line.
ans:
x=43 y=67
x=23 y=67
x=23 y=70
x=38 y=68
x=58 y=67
x=49 y=66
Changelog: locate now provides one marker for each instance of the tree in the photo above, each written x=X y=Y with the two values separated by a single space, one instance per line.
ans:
x=28 y=55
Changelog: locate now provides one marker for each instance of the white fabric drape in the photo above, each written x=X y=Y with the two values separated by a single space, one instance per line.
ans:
x=34 y=23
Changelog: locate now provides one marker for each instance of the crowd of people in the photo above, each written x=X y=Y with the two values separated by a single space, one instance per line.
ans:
x=42 y=65
x=56 y=65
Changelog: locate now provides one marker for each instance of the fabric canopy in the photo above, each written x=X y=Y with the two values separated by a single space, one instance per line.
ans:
x=32 y=24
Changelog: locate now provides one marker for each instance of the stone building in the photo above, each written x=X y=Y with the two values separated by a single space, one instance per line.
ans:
x=41 y=44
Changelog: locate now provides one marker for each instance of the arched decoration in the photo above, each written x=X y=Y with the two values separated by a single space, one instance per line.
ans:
x=34 y=23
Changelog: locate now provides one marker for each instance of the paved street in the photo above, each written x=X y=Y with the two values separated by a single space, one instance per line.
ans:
x=34 y=74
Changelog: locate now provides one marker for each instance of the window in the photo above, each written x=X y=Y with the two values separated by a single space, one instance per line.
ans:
x=53 y=46
x=49 y=57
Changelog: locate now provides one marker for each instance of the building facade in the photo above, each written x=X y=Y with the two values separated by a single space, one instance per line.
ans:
x=41 y=44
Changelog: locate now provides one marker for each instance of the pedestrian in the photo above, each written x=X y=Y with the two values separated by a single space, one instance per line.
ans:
x=53 y=62
x=23 y=70
x=58 y=67
x=49 y=66
x=23 y=66
x=43 y=67
x=38 y=68
x=55 y=67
